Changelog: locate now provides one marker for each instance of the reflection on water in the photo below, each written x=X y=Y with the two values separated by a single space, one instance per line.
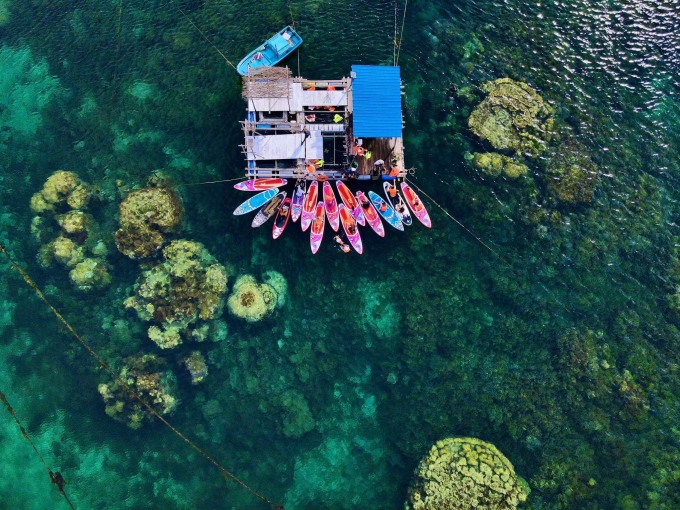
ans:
x=562 y=350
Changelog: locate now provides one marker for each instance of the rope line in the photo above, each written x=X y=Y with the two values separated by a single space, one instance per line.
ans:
x=204 y=36
x=209 y=182
x=127 y=388
x=454 y=219
x=401 y=32
x=55 y=477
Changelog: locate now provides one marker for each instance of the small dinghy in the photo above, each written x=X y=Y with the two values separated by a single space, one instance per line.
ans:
x=349 y=224
x=370 y=214
x=281 y=219
x=350 y=202
x=317 y=227
x=268 y=210
x=298 y=199
x=416 y=205
x=260 y=184
x=331 y=205
x=257 y=201
x=397 y=203
x=309 y=205
x=273 y=51
x=386 y=211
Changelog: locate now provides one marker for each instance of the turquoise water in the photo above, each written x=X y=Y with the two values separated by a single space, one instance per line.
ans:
x=560 y=346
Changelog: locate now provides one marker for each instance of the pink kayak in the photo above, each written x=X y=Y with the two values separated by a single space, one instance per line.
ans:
x=260 y=184
x=298 y=199
x=416 y=205
x=371 y=214
x=281 y=219
x=309 y=205
x=351 y=228
x=317 y=228
x=331 y=205
x=350 y=202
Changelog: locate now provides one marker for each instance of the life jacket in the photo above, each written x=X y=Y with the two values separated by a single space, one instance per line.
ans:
x=359 y=150
x=311 y=168
x=394 y=172
x=318 y=163
x=337 y=118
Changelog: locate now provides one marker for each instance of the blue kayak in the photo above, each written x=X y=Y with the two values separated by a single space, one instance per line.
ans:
x=257 y=201
x=386 y=211
x=273 y=51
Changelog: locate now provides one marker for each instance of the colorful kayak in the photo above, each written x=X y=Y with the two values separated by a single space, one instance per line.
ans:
x=281 y=219
x=416 y=205
x=309 y=204
x=298 y=199
x=350 y=202
x=386 y=211
x=260 y=184
x=370 y=214
x=349 y=224
x=331 y=205
x=397 y=203
x=257 y=201
x=268 y=210
x=317 y=227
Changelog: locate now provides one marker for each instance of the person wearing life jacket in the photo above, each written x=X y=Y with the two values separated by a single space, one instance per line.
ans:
x=392 y=191
x=359 y=150
x=342 y=245
x=383 y=206
x=310 y=168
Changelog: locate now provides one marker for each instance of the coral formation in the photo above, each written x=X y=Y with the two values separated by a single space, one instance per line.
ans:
x=494 y=164
x=62 y=188
x=253 y=301
x=463 y=473
x=571 y=174
x=144 y=375
x=512 y=117
x=90 y=274
x=195 y=364
x=145 y=215
x=187 y=287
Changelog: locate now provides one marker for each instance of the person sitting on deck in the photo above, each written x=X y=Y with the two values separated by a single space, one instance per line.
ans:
x=380 y=165
x=310 y=168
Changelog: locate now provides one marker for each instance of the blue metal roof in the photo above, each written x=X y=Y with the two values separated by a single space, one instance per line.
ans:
x=376 y=101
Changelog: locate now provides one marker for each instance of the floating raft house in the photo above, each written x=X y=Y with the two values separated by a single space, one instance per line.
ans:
x=294 y=124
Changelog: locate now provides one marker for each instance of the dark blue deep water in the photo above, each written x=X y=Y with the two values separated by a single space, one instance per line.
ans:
x=556 y=339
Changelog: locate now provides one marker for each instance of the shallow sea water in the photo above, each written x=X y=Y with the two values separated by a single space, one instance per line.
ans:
x=556 y=339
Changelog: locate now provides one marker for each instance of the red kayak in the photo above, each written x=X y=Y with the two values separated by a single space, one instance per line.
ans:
x=260 y=184
x=349 y=224
x=281 y=219
x=309 y=205
x=416 y=205
x=350 y=202
x=371 y=214
x=317 y=227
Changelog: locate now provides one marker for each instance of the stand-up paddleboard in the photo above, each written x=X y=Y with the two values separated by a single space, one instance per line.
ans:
x=298 y=199
x=268 y=210
x=260 y=184
x=331 y=205
x=309 y=204
x=257 y=201
x=416 y=205
x=350 y=202
x=349 y=224
x=281 y=219
x=386 y=211
x=316 y=234
x=371 y=214
x=397 y=203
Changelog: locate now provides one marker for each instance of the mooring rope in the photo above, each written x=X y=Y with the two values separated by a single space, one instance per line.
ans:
x=55 y=477
x=209 y=182
x=401 y=33
x=454 y=219
x=126 y=387
x=204 y=36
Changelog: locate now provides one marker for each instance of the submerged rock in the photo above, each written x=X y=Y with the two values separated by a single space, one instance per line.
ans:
x=512 y=117
x=492 y=163
x=462 y=473
x=253 y=301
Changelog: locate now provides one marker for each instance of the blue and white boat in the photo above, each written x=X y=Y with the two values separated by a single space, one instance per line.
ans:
x=386 y=211
x=275 y=49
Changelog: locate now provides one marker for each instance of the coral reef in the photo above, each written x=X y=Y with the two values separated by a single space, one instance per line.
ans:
x=90 y=274
x=61 y=189
x=253 y=301
x=571 y=174
x=195 y=364
x=146 y=377
x=463 y=473
x=145 y=215
x=179 y=293
x=512 y=117
x=494 y=164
